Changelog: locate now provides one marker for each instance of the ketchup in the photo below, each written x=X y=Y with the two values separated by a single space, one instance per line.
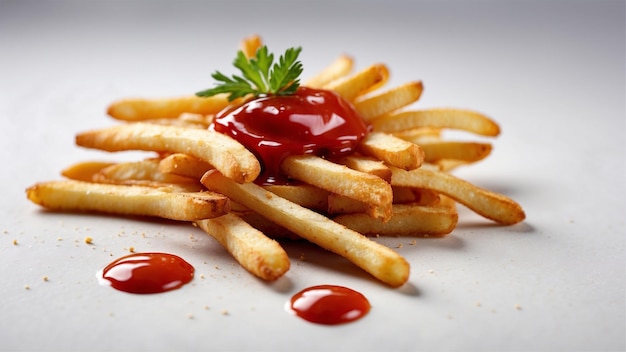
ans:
x=147 y=273
x=329 y=304
x=311 y=121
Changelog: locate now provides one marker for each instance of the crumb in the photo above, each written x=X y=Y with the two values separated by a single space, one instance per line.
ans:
x=302 y=258
x=518 y=307
x=15 y=242
x=5 y=231
x=59 y=239
x=206 y=307
x=431 y=271
x=45 y=278
x=202 y=276
x=26 y=287
x=131 y=249
x=224 y=312
x=413 y=243
x=190 y=316
x=217 y=267
x=478 y=304
x=400 y=246
x=268 y=195
x=88 y=240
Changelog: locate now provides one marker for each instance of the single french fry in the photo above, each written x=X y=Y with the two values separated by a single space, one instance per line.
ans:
x=145 y=109
x=351 y=87
x=378 y=260
x=257 y=253
x=133 y=171
x=343 y=205
x=491 y=205
x=79 y=196
x=84 y=171
x=250 y=45
x=416 y=196
x=366 y=165
x=371 y=107
x=465 y=120
x=196 y=119
x=305 y=195
x=337 y=69
x=340 y=179
x=221 y=151
x=456 y=150
x=184 y=165
x=406 y=220
x=392 y=150
x=417 y=134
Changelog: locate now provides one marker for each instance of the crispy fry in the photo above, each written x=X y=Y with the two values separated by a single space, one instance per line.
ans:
x=466 y=120
x=84 y=171
x=376 y=259
x=305 y=195
x=184 y=165
x=342 y=180
x=219 y=150
x=257 y=253
x=145 y=109
x=367 y=165
x=416 y=196
x=406 y=220
x=250 y=45
x=491 y=205
x=392 y=150
x=133 y=172
x=351 y=87
x=82 y=196
x=337 y=69
x=374 y=106
x=456 y=150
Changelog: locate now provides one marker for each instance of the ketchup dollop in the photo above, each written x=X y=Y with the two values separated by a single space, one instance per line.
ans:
x=147 y=273
x=311 y=121
x=329 y=304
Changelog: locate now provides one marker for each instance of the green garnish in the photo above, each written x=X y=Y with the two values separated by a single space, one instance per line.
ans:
x=260 y=75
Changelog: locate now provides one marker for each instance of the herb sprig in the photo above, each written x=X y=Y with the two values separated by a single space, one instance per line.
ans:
x=259 y=75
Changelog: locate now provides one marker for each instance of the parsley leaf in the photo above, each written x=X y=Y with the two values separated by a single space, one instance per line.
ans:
x=259 y=75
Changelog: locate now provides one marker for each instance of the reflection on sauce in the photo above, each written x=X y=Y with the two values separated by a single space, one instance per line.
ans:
x=312 y=121
x=329 y=304
x=147 y=273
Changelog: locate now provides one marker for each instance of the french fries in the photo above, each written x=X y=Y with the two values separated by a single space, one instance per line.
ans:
x=396 y=183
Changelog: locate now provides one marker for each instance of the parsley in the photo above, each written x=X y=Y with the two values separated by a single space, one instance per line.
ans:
x=260 y=75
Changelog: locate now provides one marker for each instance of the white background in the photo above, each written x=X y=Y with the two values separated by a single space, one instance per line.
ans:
x=550 y=72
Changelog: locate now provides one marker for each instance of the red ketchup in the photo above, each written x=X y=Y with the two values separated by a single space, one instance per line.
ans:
x=329 y=304
x=147 y=273
x=312 y=121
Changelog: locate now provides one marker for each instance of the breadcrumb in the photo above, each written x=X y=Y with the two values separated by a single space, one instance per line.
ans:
x=45 y=278
x=15 y=242
x=88 y=240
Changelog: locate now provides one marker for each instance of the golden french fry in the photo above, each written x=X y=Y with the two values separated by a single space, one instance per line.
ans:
x=221 y=151
x=491 y=205
x=184 y=165
x=406 y=220
x=257 y=253
x=340 y=179
x=417 y=134
x=374 y=106
x=250 y=45
x=456 y=150
x=351 y=87
x=416 y=196
x=132 y=172
x=392 y=150
x=466 y=120
x=366 y=165
x=305 y=195
x=84 y=171
x=343 y=205
x=337 y=69
x=145 y=109
x=376 y=259
x=79 y=196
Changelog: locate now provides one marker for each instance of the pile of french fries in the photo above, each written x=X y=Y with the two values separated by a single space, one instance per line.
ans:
x=398 y=183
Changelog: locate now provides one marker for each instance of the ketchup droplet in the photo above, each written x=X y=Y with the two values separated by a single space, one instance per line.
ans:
x=147 y=273
x=329 y=304
x=311 y=121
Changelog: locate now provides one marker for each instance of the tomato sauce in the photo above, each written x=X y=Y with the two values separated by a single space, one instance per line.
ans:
x=312 y=121
x=329 y=304
x=147 y=273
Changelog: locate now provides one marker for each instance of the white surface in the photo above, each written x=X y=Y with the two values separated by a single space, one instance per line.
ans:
x=551 y=73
